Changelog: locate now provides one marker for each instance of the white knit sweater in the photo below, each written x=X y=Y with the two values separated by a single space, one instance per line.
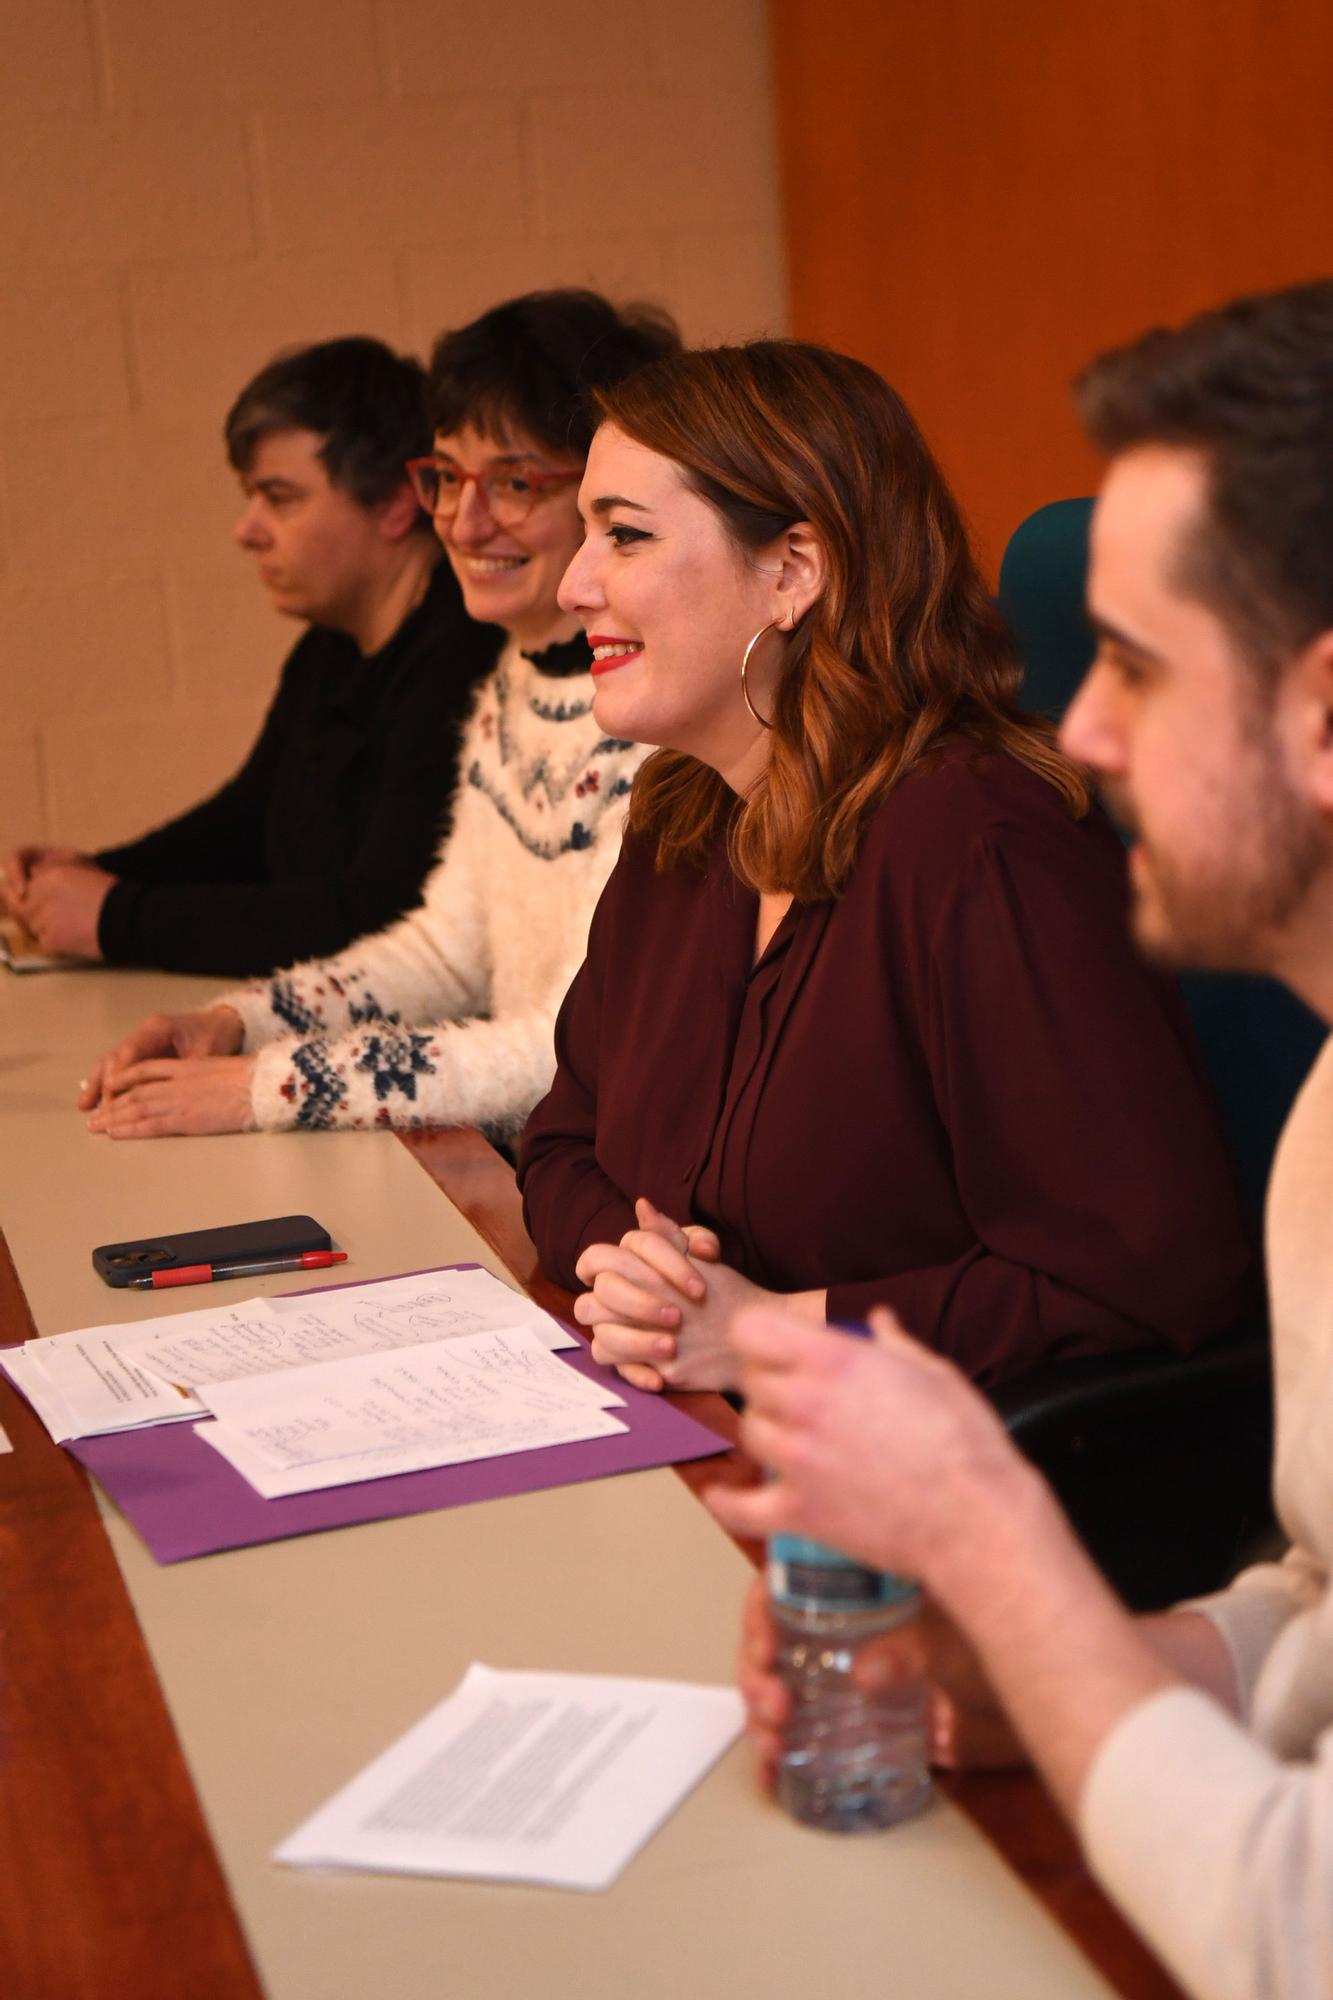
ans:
x=446 y=1017
x=1216 y=1836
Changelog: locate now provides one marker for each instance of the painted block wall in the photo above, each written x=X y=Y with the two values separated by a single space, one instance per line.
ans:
x=188 y=185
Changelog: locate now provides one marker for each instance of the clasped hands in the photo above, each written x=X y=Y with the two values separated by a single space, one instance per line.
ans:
x=177 y=1073
x=654 y=1314
x=57 y=894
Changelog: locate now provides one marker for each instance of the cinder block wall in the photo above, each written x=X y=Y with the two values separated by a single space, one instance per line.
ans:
x=185 y=186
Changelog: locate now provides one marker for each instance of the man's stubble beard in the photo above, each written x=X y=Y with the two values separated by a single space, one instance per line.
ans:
x=1238 y=919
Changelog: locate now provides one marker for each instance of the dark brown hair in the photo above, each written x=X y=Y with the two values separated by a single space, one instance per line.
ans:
x=1250 y=387
x=365 y=401
x=534 y=363
x=903 y=646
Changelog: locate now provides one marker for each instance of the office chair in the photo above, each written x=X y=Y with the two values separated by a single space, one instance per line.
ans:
x=1163 y=1462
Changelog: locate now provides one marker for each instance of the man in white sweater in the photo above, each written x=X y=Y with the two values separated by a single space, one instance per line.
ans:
x=1193 y=1750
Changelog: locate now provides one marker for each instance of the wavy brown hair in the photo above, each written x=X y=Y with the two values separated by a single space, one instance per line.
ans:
x=903 y=647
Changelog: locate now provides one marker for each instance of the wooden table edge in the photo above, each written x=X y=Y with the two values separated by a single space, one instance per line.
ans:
x=112 y=1883
x=1012 y=1809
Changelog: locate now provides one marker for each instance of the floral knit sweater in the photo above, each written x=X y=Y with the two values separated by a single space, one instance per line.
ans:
x=446 y=1017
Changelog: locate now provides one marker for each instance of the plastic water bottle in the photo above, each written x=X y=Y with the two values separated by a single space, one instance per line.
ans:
x=851 y=1762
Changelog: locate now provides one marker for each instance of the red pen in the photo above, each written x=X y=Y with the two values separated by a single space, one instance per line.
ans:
x=209 y=1274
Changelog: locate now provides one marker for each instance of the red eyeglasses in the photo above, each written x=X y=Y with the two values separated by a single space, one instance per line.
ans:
x=510 y=492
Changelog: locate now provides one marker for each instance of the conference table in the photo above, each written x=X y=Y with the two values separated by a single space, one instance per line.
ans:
x=162 y=1728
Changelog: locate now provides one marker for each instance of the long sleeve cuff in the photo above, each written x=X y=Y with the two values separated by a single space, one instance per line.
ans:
x=115 y=920
x=254 y=1004
x=1249 y=1614
x=275 y=1085
x=486 y=1073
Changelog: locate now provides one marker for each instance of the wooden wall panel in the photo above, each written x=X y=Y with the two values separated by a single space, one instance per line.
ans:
x=979 y=196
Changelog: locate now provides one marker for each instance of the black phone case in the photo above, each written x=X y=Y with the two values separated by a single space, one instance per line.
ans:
x=237 y=1243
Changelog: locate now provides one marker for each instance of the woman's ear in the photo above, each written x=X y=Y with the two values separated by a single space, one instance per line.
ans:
x=802 y=570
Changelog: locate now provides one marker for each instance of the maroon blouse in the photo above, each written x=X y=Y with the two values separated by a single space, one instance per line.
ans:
x=956 y=1090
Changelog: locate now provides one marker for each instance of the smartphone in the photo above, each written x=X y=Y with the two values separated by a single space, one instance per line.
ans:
x=237 y=1243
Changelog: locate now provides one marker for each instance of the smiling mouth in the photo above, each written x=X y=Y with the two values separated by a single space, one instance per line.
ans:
x=609 y=653
x=484 y=566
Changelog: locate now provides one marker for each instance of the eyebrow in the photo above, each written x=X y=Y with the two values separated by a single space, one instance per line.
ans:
x=501 y=458
x=607 y=501
x=1112 y=635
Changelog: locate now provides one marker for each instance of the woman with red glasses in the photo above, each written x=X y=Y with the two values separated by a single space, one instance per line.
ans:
x=446 y=1017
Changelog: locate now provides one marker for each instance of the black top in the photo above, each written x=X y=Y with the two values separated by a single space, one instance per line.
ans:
x=330 y=826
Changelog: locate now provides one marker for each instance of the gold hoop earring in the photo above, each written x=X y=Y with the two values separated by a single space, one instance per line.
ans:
x=773 y=625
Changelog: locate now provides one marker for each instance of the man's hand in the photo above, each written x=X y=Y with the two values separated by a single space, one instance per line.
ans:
x=159 y=1098
x=890 y=1455
x=205 y=1031
x=967 y=1729
x=17 y=866
x=879 y=1448
x=61 y=902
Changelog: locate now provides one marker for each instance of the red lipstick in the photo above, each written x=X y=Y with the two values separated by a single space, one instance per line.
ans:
x=627 y=649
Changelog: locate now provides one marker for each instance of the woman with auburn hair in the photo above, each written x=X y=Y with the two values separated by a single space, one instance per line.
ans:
x=860 y=1021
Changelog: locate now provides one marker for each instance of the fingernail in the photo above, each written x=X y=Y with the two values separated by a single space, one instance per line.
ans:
x=669 y=1315
x=666 y=1347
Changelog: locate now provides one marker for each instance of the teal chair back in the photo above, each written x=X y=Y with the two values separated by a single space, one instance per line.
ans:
x=1043 y=585
x=1162 y=1461
x=1258 y=1042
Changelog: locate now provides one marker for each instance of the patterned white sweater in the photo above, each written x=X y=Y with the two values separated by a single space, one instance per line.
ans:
x=446 y=1017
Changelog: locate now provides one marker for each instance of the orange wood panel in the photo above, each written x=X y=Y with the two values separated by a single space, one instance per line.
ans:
x=979 y=197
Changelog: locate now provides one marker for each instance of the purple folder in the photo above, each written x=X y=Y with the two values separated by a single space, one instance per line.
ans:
x=186 y=1500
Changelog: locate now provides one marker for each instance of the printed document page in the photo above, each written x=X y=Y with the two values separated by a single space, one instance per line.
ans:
x=482 y=1396
x=526 y=1777
x=82 y=1385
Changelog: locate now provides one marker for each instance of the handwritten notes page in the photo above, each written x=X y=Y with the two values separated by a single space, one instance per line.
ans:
x=208 y=1347
x=433 y=1305
x=525 y=1777
x=370 y=1416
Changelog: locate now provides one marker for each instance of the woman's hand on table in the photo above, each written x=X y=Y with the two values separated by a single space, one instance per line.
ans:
x=654 y=1316
x=172 y=1095
x=204 y=1031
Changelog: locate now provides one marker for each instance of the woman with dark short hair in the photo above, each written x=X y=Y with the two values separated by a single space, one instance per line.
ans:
x=445 y=1017
x=860 y=1021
